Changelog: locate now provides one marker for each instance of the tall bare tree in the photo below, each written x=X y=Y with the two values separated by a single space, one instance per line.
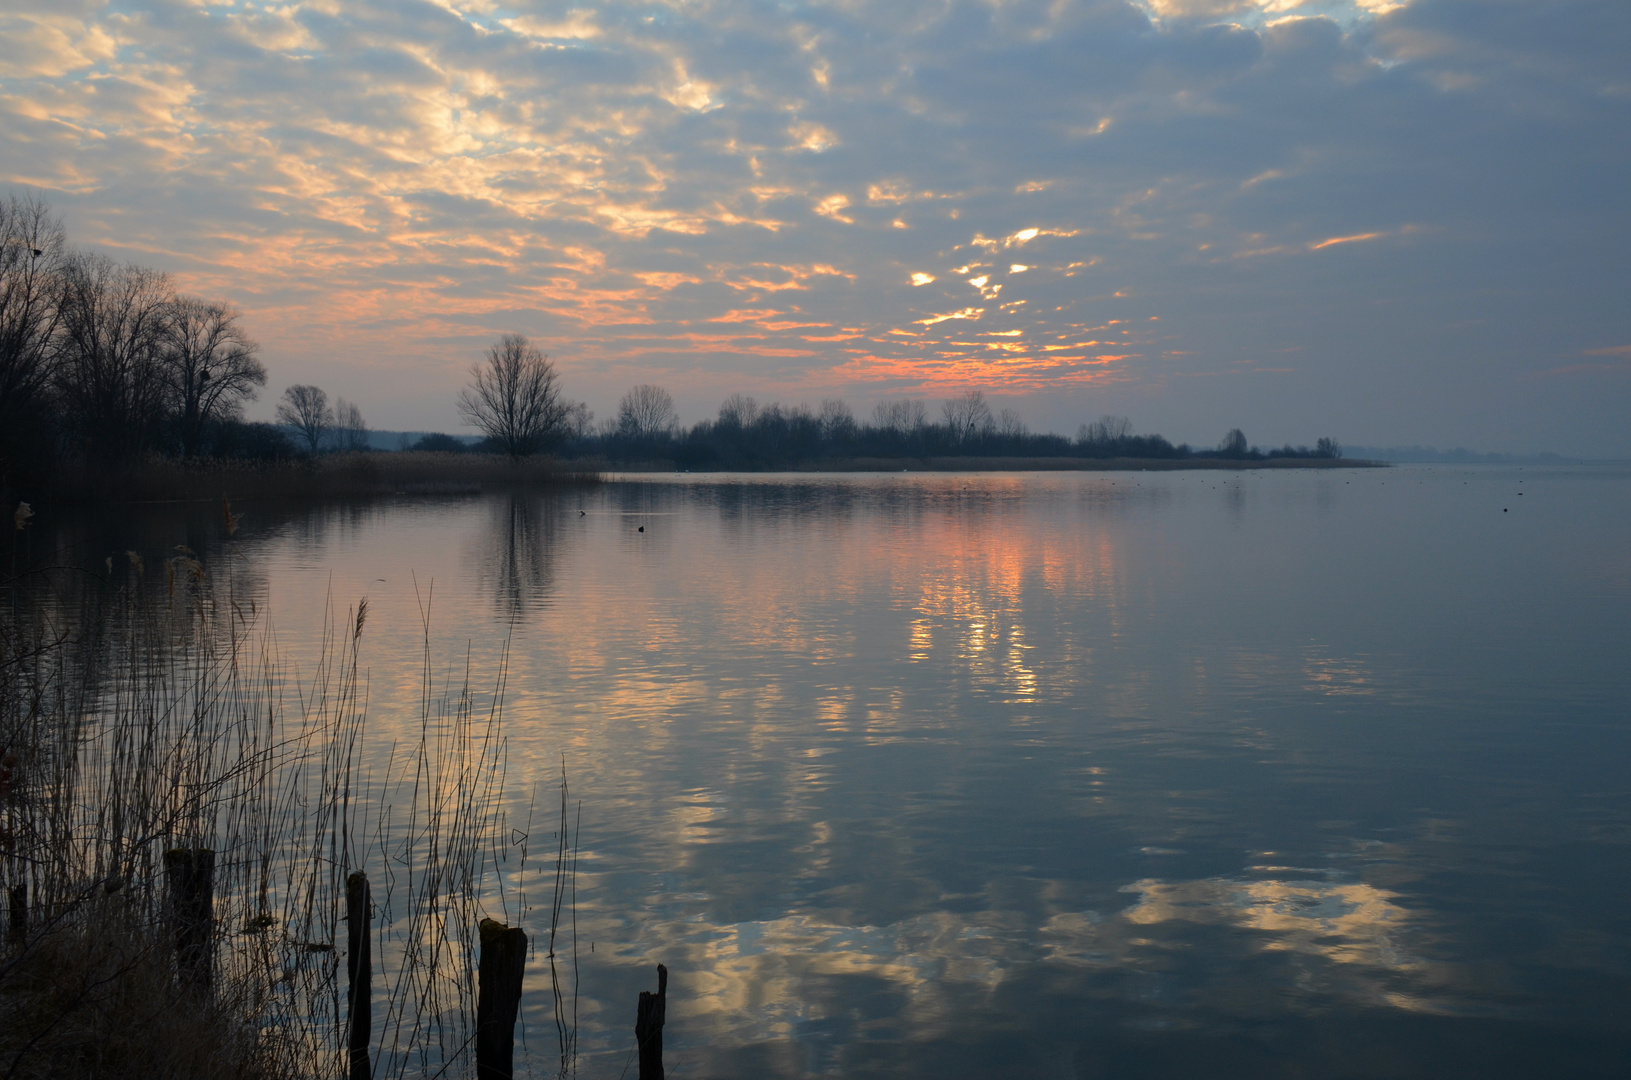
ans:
x=515 y=397
x=578 y=420
x=902 y=416
x=836 y=419
x=1011 y=425
x=210 y=367
x=1105 y=431
x=646 y=412
x=33 y=248
x=306 y=409
x=350 y=429
x=967 y=416
x=738 y=410
x=109 y=378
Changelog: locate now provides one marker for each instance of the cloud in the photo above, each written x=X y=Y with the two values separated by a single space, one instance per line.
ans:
x=1357 y=238
x=386 y=184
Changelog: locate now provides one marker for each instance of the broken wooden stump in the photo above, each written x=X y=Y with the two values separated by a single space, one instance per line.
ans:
x=648 y=1027
x=498 y=998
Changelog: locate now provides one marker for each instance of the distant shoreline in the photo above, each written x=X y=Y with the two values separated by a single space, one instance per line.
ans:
x=376 y=474
x=1027 y=464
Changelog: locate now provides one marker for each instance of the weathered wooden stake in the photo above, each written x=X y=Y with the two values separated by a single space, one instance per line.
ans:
x=359 y=967
x=190 y=875
x=498 y=998
x=648 y=1027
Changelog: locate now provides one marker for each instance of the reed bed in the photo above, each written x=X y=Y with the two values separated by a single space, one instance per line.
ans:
x=146 y=720
x=351 y=475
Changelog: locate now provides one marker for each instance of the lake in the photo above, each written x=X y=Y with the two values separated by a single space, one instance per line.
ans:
x=1273 y=773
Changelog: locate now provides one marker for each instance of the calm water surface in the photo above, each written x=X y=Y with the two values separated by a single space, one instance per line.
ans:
x=1076 y=775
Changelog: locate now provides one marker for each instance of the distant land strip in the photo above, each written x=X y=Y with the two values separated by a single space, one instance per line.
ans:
x=1033 y=464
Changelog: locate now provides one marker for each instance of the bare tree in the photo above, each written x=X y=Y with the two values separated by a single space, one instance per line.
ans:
x=1105 y=431
x=1328 y=447
x=210 y=367
x=837 y=421
x=305 y=408
x=902 y=417
x=578 y=421
x=738 y=410
x=967 y=416
x=1233 y=444
x=515 y=398
x=1010 y=426
x=646 y=412
x=350 y=428
x=114 y=325
x=33 y=248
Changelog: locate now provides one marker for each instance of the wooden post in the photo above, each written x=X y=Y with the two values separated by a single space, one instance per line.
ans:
x=498 y=998
x=359 y=967
x=648 y=1027
x=190 y=875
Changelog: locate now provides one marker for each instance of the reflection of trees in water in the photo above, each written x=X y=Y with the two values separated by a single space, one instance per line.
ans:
x=93 y=577
x=518 y=563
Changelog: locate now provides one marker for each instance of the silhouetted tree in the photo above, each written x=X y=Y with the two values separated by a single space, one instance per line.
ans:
x=438 y=443
x=515 y=398
x=110 y=378
x=646 y=412
x=901 y=417
x=210 y=368
x=305 y=408
x=33 y=249
x=350 y=429
x=578 y=420
x=1106 y=431
x=1328 y=448
x=738 y=410
x=1010 y=426
x=837 y=421
x=248 y=441
x=967 y=416
x=1233 y=444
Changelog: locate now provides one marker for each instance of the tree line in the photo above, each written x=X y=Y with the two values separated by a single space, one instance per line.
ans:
x=106 y=360
x=516 y=400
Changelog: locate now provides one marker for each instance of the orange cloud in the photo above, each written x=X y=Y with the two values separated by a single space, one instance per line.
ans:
x=965 y=313
x=1355 y=239
x=745 y=315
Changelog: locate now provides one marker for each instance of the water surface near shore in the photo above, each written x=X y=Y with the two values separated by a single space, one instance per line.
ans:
x=1258 y=773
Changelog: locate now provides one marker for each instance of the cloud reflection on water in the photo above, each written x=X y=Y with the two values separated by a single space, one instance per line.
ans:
x=879 y=763
x=1327 y=945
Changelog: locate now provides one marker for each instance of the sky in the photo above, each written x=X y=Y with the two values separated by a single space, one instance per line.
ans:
x=1386 y=222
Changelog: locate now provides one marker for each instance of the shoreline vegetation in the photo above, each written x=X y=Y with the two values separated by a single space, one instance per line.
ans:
x=366 y=474
x=115 y=387
x=186 y=826
x=375 y=474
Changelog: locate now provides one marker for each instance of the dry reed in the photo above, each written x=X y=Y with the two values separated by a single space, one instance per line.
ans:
x=137 y=720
